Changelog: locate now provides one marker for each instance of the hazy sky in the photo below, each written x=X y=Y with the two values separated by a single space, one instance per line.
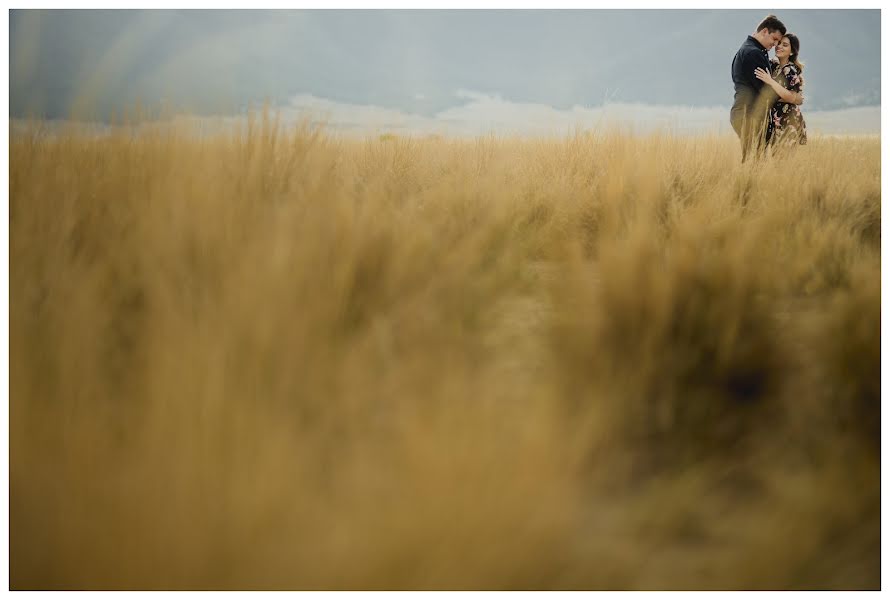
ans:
x=424 y=66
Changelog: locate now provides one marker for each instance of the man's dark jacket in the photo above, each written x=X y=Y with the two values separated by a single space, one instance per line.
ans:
x=747 y=87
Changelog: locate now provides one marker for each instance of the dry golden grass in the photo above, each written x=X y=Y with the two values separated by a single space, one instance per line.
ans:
x=279 y=359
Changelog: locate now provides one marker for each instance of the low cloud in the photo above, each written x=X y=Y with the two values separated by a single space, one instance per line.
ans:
x=481 y=113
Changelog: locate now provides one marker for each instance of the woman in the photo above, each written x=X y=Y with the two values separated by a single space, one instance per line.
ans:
x=786 y=126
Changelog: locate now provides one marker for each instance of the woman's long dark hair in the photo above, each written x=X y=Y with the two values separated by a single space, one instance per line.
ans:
x=794 y=57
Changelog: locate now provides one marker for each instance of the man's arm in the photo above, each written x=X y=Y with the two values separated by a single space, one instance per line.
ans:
x=751 y=61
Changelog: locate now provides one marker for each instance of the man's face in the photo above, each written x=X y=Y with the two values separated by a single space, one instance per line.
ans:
x=773 y=39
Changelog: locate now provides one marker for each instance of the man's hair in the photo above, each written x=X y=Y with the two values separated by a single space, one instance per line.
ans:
x=772 y=24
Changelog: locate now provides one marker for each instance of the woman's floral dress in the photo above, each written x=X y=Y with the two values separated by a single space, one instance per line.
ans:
x=786 y=126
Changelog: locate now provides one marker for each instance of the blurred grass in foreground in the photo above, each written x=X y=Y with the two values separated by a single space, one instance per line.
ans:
x=277 y=359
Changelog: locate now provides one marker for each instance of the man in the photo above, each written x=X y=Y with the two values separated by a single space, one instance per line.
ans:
x=748 y=114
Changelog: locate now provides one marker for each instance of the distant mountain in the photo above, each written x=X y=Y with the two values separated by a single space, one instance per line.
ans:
x=218 y=61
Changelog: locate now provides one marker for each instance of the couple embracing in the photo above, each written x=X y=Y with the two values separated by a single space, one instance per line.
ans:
x=768 y=92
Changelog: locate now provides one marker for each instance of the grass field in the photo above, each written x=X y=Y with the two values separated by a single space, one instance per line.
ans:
x=275 y=358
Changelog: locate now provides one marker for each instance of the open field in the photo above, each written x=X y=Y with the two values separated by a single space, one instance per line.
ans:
x=279 y=359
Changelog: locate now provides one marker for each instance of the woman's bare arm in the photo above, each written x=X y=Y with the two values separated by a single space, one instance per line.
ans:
x=785 y=94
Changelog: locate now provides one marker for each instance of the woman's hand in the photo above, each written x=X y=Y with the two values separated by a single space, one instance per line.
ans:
x=765 y=77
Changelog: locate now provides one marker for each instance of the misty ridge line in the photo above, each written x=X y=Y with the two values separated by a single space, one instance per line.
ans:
x=480 y=114
x=483 y=114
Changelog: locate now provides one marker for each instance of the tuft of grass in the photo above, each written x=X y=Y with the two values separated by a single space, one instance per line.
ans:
x=674 y=343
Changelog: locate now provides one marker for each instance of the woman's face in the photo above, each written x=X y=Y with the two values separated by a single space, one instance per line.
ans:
x=783 y=48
